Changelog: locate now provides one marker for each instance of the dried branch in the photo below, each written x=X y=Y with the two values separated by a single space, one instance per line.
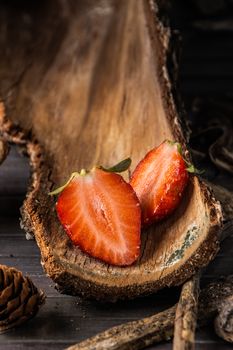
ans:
x=139 y=334
x=133 y=335
x=186 y=315
x=224 y=321
x=4 y=149
x=226 y=198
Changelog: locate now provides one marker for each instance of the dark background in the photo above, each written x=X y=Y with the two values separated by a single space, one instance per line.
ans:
x=206 y=86
x=205 y=76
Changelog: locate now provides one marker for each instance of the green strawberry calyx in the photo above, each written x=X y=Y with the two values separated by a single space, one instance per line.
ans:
x=118 y=168
x=190 y=167
x=61 y=188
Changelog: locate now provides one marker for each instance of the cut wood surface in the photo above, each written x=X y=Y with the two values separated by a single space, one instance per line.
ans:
x=90 y=86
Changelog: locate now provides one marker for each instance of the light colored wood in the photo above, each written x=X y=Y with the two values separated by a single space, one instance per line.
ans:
x=186 y=315
x=90 y=85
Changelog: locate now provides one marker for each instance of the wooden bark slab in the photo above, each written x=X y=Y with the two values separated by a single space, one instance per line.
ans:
x=83 y=83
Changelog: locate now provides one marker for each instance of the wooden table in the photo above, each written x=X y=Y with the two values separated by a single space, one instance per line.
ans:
x=207 y=70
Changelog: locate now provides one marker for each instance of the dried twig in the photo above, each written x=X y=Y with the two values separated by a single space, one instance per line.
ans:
x=224 y=321
x=4 y=149
x=139 y=334
x=226 y=198
x=186 y=315
x=132 y=335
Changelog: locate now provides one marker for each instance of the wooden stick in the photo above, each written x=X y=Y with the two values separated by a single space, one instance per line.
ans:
x=160 y=327
x=132 y=335
x=224 y=321
x=4 y=149
x=186 y=315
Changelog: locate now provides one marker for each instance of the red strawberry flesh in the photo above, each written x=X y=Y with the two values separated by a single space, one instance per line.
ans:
x=101 y=214
x=159 y=181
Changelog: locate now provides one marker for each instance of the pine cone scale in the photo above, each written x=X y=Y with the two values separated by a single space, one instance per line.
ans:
x=13 y=304
x=6 y=294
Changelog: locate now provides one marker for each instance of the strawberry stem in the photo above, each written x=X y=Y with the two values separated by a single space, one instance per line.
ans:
x=119 y=167
x=60 y=189
x=190 y=167
x=179 y=148
x=177 y=144
x=83 y=172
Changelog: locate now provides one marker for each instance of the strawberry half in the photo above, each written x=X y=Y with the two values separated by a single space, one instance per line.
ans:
x=101 y=214
x=159 y=181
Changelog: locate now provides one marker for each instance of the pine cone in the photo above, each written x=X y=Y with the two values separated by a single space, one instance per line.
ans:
x=19 y=298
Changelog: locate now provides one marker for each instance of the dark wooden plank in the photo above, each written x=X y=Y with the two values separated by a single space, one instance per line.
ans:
x=10 y=227
x=63 y=345
x=18 y=245
x=14 y=174
x=31 y=346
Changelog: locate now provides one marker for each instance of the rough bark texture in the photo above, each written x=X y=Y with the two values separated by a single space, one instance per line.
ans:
x=186 y=315
x=4 y=149
x=90 y=86
x=224 y=321
x=160 y=327
x=133 y=335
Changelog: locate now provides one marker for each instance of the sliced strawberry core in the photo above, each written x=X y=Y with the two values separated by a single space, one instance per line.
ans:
x=101 y=214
